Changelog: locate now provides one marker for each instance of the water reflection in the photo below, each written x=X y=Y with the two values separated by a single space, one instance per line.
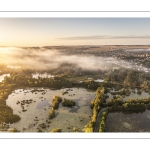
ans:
x=42 y=104
x=2 y=77
x=42 y=75
x=99 y=80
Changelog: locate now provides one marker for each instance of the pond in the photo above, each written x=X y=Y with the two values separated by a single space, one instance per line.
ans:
x=2 y=77
x=33 y=106
x=133 y=122
x=99 y=80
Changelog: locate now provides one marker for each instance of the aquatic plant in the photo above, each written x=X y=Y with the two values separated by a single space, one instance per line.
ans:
x=63 y=93
x=42 y=125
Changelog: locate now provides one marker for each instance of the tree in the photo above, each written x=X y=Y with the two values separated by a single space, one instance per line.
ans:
x=52 y=113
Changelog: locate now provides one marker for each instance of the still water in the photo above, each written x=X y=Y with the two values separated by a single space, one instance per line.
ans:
x=2 y=77
x=134 y=122
x=129 y=122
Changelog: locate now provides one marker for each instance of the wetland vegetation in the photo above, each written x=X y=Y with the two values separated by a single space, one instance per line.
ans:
x=71 y=99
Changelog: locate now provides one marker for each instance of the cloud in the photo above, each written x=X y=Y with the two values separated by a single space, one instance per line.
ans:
x=104 y=37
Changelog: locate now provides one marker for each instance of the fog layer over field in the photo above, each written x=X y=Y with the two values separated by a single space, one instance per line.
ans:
x=138 y=50
x=41 y=58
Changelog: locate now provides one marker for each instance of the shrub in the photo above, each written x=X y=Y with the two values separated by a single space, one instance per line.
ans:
x=55 y=102
x=57 y=98
x=75 y=130
x=102 y=121
x=56 y=130
x=89 y=127
x=92 y=103
x=7 y=116
x=52 y=113
x=13 y=130
x=63 y=93
x=68 y=103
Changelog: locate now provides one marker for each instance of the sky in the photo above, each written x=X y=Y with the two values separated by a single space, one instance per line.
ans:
x=74 y=31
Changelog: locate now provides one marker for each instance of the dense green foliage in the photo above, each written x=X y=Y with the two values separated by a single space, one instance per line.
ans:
x=75 y=130
x=52 y=113
x=129 y=78
x=102 y=121
x=56 y=130
x=68 y=103
x=130 y=105
x=6 y=115
x=55 y=102
x=26 y=80
x=116 y=100
x=96 y=106
x=13 y=130
x=134 y=106
x=114 y=104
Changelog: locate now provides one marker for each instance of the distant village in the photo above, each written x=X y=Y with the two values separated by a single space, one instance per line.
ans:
x=137 y=57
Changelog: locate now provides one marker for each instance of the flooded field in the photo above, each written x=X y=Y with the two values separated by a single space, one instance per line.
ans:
x=34 y=111
x=134 y=122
